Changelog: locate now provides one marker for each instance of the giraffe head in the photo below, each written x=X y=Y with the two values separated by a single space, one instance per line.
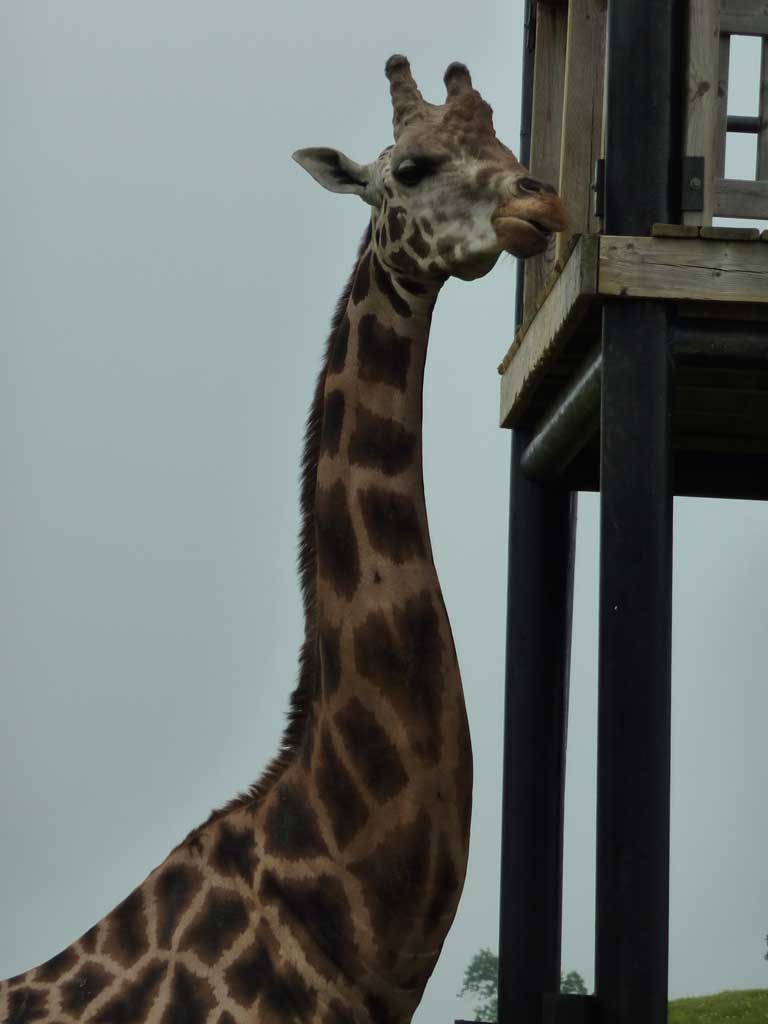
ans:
x=448 y=197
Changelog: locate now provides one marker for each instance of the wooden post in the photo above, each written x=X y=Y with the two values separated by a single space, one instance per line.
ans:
x=549 y=72
x=582 y=136
x=704 y=115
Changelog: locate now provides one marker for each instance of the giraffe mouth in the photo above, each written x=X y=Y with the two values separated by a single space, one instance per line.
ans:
x=547 y=232
x=522 y=236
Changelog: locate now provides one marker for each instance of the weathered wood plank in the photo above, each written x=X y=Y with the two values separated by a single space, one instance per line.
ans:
x=670 y=268
x=731 y=234
x=721 y=130
x=702 y=108
x=735 y=198
x=675 y=230
x=582 y=138
x=546 y=126
x=554 y=323
x=744 y=17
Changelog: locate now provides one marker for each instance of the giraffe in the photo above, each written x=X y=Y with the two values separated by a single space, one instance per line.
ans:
x=323 y=895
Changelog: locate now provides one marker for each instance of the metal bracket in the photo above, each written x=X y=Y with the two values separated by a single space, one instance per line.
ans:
x=692 y=185
x=598 y=188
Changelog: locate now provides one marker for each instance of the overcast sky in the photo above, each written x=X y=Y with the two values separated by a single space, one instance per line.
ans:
x=167 y=276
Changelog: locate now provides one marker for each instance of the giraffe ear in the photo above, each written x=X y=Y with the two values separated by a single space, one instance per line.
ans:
x=334 y=170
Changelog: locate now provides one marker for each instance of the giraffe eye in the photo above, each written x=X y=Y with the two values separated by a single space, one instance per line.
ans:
x=530 y=185
x=411 y=171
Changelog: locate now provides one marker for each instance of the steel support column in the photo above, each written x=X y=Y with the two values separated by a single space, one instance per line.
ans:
x=642 y=146
x=541 y=555
x=634 y=668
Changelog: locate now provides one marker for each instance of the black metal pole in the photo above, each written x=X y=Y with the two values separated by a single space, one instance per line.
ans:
x=642 y=137
x=541 y=558
x=634 y=668
x=540 y=588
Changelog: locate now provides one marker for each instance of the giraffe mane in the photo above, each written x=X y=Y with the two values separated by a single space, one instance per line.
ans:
x=299 y=719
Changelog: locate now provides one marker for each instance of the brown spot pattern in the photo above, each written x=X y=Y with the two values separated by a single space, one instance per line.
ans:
x=27 y=1005
x=381 y=443
x=388 y=290
x=57 y=965
x=338 y=1014
x=407 y=666
x=333 y=421
x=89 y=982
x=383 y=355
x=235 y=852
x=418 y=242
x=338 y=353
x=404 y=261
x=191 y=999
x=134 y=999
x=446 y=889
x=396 y=219
x=338 y=557
x=394 y=877
x=318 y=912
x=127 y=930
x=291 y=826
x=414 y=287
x=373 y=753
x=173 y=893
x=89 y=941
x=330 y=658
x=283 y=993
x=221 y=919
x=392 y=524
x=362 y=283
x=346 y=809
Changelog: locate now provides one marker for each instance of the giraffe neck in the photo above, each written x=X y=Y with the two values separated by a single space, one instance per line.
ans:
x=371 y=524
x=385 y=643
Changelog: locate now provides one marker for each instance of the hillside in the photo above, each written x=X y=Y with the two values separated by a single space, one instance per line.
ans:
x=747 y=1007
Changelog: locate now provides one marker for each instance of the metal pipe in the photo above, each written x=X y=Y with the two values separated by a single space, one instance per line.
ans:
x=745 y=125
x=573 y=420
x=734 y=341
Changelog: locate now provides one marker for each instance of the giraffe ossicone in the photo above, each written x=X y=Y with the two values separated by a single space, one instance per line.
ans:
x=323 y=895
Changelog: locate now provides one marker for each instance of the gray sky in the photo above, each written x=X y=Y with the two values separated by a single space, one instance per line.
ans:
x=167 y=277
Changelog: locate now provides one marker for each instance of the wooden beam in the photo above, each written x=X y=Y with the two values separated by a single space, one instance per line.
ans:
x=582 y=137
x=546 y=128
x=744 y=17
x=671 y=268
x=554 y=323
x=702 y=109
x=734 y=198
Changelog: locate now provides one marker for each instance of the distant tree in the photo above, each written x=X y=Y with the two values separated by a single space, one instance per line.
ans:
x=766 y=942
x=481 y=979
x=573 y=984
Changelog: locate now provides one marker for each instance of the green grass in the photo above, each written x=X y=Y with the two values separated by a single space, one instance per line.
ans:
x=748 y=1007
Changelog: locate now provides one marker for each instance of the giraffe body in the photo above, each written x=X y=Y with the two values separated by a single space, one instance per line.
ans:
x=324 y=894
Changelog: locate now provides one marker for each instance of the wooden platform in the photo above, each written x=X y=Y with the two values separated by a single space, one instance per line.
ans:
x=715 y=281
